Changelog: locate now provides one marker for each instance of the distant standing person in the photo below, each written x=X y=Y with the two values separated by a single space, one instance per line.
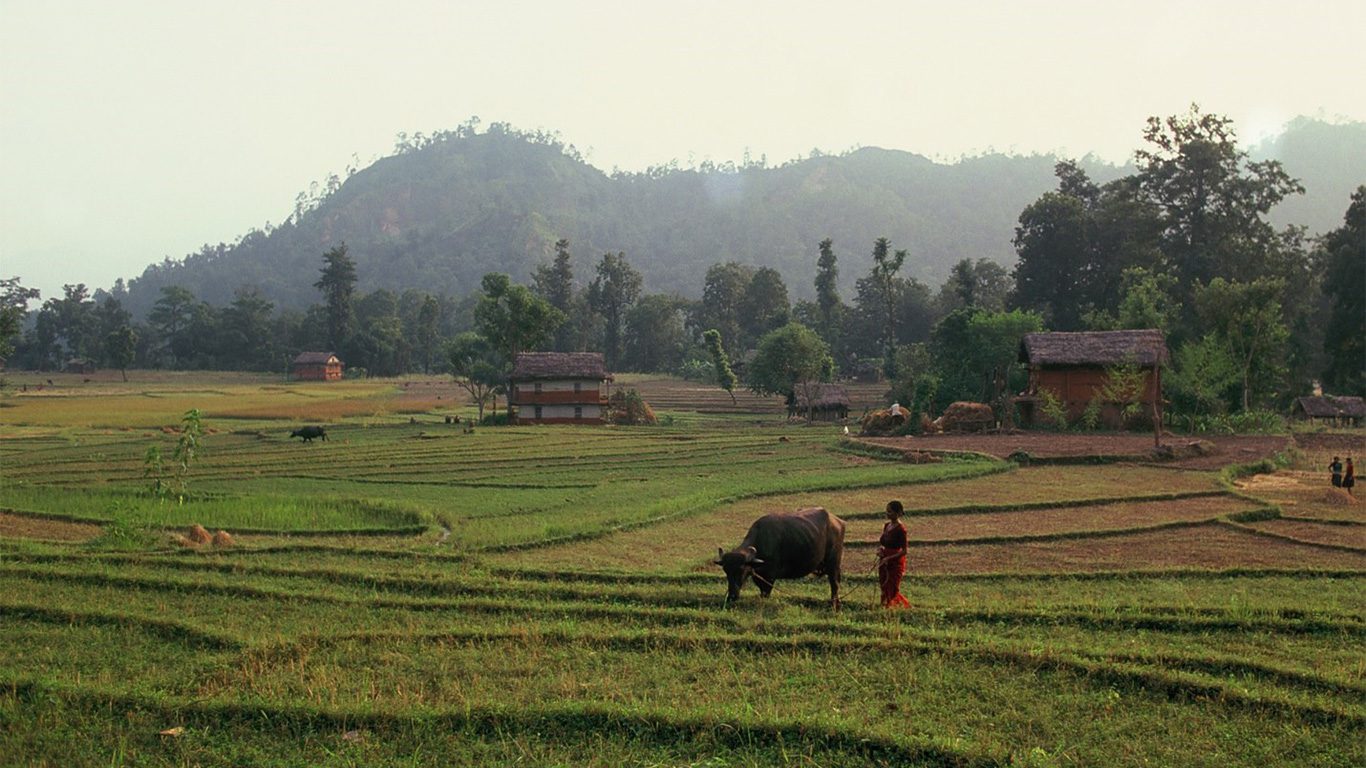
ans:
x=1349 y=477
x=891 y=557
x=1336 y=469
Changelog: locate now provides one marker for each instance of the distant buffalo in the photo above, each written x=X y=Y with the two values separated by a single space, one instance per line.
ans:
x=308 y=433
x=786 y=546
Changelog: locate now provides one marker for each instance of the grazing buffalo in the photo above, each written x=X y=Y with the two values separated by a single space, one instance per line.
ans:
x=308 y=433
x=786 y=546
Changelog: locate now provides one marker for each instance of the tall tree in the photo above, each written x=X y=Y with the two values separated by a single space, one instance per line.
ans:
x=1247 y=318
x=722 y=293
x=338 y=286
x=974 y=351
x=1148 y=300
x=70 y=324
x=246 y=339
x=428 y=317
x=885 y=266
x=378 y=343
x=477 y=367
x=554 y=282
x=512 y=318
x=110 y=316
x=611 y=293
x=1213 y=200
x=1054 y=242
x=119 y=348
x=1343 y=256
x=655 y=338
x=790 y=358
x=982 y=284
x=14 y=299
x=827 y=294
x=171 y=317
x=765 y=305
x=725 y=377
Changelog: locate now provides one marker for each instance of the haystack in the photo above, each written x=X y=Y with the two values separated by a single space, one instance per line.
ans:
x=966 y=417
x=883 y=422
x=1338 y=497
x=198 y=535
x=223 y=539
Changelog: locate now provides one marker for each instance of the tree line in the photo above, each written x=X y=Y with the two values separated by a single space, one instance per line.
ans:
x=1252 y=313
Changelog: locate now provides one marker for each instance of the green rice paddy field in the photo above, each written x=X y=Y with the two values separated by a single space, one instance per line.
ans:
x=409 y=593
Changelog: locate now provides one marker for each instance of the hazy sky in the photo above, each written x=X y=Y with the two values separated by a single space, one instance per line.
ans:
x=134 y=131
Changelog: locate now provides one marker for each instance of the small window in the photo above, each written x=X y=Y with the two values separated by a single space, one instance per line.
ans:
x=538 y=413
x=538 y=387
x=578 y=386
x=578 y=412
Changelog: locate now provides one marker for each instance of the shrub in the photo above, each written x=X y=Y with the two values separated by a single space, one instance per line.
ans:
x=1052 y=409
x=697 y=370
x=628 y=407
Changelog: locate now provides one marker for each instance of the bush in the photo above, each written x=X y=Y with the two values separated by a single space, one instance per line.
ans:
x=1051 y=408
x=1248 y=422
x=629 y=408
x=697 y=370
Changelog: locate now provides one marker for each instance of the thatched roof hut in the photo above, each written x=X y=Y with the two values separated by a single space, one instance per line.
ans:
x=1095 y=348
x=1329 y=407
x=830 y=401
x=1073 y=370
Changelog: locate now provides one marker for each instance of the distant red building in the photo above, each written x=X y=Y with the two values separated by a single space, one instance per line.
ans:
x=316 y=366
x=559 y=388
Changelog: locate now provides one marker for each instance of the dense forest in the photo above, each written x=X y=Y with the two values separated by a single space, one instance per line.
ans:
x=465 y=247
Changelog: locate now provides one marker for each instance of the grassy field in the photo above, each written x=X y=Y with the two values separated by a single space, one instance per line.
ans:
x=408 y=593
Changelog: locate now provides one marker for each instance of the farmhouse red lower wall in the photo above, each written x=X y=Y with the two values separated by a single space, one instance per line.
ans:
x=561 y=420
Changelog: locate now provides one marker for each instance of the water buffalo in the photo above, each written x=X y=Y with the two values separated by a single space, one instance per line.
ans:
x=786 y=546
x=308 y=433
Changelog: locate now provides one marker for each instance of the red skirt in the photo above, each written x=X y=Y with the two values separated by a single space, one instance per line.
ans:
x=889 y=576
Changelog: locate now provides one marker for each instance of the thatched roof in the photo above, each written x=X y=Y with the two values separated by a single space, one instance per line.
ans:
x=1331 y=407
x=1094 y=348
x=314 y=358
x=559 y=365
x=823 y=397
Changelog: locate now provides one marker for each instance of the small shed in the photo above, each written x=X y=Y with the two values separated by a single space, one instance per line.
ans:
x=1075 y=369
x=824 y=402
x=79 y=365
x=1341 y=411
x=559 y=388
x=316 y=366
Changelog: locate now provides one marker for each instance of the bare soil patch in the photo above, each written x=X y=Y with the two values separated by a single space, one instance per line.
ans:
x=25 y=527
x=1041 y=522
x=1235 y=449
x=1318 y=533
x=1213 y=547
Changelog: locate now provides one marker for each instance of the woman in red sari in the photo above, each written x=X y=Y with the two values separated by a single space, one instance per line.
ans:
x=891 y=558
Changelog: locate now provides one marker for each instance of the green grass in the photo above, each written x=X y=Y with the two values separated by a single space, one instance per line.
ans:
x=543 y=596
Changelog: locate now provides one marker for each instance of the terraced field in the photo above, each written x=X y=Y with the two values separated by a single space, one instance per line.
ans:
x=410 y=594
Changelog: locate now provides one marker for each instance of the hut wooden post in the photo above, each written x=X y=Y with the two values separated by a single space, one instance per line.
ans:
x=1157 y=407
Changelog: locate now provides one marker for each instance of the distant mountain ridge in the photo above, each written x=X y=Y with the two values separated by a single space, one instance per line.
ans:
x=437 y=217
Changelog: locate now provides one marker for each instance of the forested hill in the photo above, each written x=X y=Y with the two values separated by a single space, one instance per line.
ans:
x=443 y=211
